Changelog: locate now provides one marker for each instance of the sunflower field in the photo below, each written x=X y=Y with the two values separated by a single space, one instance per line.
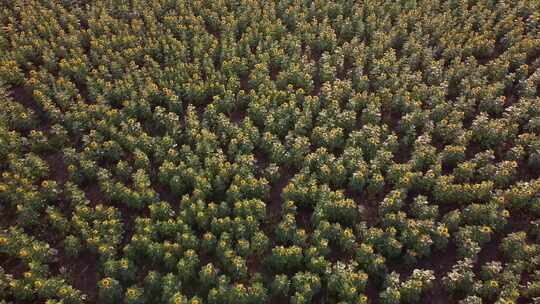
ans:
x=285 y=151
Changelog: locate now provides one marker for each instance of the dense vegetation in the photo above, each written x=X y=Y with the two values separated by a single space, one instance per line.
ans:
x=290 y=151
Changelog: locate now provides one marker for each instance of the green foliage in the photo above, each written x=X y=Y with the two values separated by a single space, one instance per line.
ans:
x=269 y=151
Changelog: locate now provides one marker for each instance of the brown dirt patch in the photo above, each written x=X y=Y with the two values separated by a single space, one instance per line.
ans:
x=57 y=167
x=275 y=201
x=83 y=274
